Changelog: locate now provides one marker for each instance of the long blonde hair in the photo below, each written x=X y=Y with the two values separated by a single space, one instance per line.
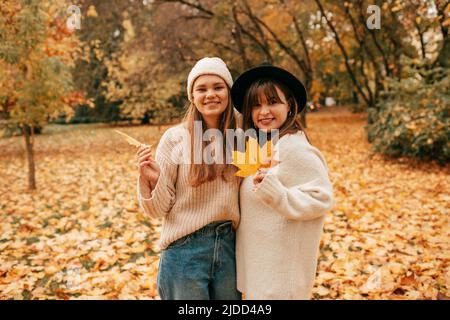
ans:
x=201 y=173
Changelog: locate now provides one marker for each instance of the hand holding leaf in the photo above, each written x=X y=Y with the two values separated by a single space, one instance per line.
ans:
x=259 y=177
x=148 y=168
x=254 y=158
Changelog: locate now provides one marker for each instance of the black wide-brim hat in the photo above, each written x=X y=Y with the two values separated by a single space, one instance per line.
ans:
x=266 y=70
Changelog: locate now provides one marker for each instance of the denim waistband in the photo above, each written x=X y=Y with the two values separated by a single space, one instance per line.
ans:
x=216 y=227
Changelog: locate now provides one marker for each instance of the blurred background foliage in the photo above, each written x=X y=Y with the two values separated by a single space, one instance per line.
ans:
x=129 y=60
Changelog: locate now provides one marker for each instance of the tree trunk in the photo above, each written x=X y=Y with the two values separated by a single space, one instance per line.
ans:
x=355 y=97
x=30 y=155
x=444 y=54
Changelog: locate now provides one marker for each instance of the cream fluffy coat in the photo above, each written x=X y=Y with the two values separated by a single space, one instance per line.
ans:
x=281 y=224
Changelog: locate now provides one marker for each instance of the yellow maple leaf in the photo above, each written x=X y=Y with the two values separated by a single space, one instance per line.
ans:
x=253 y=158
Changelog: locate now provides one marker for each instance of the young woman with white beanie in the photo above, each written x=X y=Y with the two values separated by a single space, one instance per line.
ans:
x=199 y=203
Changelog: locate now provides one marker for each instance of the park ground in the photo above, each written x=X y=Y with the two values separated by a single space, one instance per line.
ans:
x=82 y=235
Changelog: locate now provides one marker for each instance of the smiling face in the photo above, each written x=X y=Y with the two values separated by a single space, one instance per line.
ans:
x=268 y=105
x=210 y=96
x=270 y=110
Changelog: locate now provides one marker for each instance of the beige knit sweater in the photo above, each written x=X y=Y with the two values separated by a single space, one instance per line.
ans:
x=281 y=223
x=185 y=209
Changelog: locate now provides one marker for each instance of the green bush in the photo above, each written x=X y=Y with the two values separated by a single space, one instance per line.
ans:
x=412 y=118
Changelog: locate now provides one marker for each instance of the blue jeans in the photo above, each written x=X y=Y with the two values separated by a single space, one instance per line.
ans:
x=200 y=266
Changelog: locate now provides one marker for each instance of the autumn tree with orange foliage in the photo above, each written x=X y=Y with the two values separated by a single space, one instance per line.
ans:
x=36 y=56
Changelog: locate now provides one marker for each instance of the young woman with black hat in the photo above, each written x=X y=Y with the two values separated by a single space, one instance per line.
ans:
x=282 y=207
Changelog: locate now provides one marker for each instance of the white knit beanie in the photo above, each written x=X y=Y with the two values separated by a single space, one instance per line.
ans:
x=207 y=65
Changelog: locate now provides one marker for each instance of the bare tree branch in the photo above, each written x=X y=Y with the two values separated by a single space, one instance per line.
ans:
x=237 y=35
x=195 y=5
x=264 y=47
x=375 y=40
x=302 y=65
x=345 y=54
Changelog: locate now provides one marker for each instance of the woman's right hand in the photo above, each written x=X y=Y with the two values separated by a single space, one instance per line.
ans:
x=148 y=168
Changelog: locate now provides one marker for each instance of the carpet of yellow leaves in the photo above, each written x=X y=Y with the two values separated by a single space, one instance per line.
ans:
x=81 y=235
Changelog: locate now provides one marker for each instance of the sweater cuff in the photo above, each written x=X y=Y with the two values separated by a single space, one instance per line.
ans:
x=145 y=203
x=159 y=199
x=141 y=188
x=269 y=189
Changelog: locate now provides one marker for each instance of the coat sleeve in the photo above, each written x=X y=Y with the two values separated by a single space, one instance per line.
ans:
x=162 y=198
x=308 y=200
